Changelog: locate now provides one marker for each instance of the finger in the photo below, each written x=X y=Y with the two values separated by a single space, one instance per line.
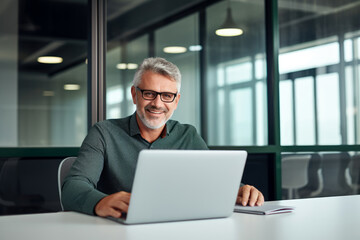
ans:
x=112 y=212
x=123 y=196
x=121 y=206
x=254 y=194
x=260 y=200
x=109 y=211
x=245 y=194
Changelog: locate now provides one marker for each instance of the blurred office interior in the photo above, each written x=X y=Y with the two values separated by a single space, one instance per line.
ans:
x=285 y=88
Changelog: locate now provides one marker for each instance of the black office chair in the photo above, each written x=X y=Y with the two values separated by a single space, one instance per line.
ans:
x=354 y=170
x=314 y=185
x=63 y=170
x=334 y=167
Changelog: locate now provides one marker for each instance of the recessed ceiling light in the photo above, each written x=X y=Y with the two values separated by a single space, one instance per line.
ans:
x=71 y=87
x=121 y=66
x=50 y=59
x=48 y=93
x=195 y=48
x=132 y=66
x=174 y=49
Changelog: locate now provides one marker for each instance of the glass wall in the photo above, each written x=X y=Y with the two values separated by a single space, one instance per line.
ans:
x=236 y=76
x=43 y=47
x=122 y=62
x=319 y=72
x=184 y=36
x=124 y=59
x=43 y=98
x=320 y=174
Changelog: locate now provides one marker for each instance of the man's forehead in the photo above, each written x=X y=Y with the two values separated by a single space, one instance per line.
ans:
x=150 y=77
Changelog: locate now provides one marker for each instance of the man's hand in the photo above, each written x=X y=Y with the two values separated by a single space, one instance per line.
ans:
x=249 y=195
x=113 y=205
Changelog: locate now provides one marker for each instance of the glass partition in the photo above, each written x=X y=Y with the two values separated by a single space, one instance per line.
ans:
x=179 y=43
x=122 y=62
x=43 y=49
x=319 y=72
x=236 y=76
x=320 y=174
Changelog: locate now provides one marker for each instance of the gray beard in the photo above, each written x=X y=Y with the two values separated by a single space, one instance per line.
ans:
x=148 y=124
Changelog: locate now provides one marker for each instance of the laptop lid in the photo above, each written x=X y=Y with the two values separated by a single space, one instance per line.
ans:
x=175 y=185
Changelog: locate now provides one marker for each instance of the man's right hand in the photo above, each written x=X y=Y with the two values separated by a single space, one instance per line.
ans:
x=113 y=205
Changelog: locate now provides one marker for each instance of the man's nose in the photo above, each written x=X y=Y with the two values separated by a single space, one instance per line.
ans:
x=157 y=101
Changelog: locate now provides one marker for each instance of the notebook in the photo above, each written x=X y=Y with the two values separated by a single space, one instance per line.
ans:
x=267 y=209
x=178 y=185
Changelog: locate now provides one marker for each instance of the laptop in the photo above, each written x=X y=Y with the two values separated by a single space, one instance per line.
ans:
x=179 y=185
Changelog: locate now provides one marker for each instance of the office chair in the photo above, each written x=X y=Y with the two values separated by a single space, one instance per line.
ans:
x=334 y=167
x=315 y=182
x=63 y=170
x=354 y=171
x=294 y=173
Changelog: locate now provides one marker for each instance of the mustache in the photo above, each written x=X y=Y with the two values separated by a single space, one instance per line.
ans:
x=156 y=109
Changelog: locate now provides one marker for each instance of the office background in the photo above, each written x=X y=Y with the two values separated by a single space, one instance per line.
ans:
x=286 y=90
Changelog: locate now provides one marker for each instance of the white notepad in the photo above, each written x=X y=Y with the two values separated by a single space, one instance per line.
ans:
x=267 y=209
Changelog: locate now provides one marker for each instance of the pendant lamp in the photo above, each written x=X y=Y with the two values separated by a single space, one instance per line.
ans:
x=229 y=27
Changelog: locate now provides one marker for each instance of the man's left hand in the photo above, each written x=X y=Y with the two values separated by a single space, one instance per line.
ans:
x=249 y=195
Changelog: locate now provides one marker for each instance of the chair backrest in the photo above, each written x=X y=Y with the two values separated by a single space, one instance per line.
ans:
x=295 y=171
x=334 y=166
x=63 y=170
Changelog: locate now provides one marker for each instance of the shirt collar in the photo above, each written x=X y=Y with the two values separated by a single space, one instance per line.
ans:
x=135 y=130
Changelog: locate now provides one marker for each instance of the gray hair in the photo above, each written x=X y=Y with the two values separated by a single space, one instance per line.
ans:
x=159 y=66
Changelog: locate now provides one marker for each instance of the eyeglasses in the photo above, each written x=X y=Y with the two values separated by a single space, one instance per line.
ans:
x=166 y=97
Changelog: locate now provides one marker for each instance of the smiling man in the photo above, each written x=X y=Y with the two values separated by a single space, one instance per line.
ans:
x=100 y=180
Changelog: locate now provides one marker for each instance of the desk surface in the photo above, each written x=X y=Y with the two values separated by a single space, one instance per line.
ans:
x=317 y=218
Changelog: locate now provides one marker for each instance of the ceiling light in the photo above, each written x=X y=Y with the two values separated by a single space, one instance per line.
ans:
x=132 y=66
x=174 y=49
x=48 y=93
x=121 y=66
x=71 y=87
x=195 y=48
x=50 y=59
x=229 y=27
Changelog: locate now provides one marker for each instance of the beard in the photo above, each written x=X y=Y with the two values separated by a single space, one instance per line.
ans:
x=148 y=122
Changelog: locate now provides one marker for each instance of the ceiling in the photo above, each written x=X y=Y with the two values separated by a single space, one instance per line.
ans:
x=59 y=27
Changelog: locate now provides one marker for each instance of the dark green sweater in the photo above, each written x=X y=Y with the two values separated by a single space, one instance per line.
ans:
x=107 y=159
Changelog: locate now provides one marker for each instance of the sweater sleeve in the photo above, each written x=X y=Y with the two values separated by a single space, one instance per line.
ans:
x=79 y=192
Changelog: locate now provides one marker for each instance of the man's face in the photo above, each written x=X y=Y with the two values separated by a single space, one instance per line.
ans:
x=154 y=113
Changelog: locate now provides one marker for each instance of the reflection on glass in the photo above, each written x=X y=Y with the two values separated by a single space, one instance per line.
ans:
x=286 y=117
x=241 y=117
x=183 y=34
x=309 y=57
x=320 y=174
x=328 y=101
x=322 y=46
x=236 y=77
x=121 y=64
x=35 y=108
x=304 y=110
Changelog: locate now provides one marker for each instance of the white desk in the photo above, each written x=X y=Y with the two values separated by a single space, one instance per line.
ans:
x=330 y=218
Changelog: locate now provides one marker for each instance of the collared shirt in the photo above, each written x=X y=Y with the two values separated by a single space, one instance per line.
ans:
x=107 y=159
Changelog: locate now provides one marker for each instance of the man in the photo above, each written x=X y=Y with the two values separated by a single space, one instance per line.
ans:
x=101 y=178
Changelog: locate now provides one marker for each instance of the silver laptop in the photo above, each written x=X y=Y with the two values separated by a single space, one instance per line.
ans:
x=177 y=185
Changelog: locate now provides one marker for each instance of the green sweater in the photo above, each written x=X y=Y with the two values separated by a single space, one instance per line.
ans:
x=107 y=159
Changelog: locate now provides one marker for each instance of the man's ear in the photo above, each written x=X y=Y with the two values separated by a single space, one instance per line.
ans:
x=133 y=94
